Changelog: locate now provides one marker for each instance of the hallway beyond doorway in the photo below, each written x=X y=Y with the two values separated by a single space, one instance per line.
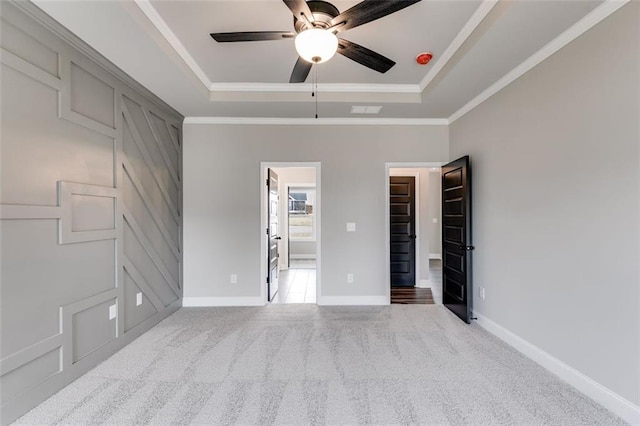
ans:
x=296 y=286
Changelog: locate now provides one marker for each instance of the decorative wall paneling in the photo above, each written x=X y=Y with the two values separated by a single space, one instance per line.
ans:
x=90 y=208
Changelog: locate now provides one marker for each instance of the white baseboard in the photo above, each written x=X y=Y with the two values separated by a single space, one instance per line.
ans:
x=594 y=390
x=435 y=256
x=222 y=301
x=302 y=256
x=353 y=300
x=424 y=284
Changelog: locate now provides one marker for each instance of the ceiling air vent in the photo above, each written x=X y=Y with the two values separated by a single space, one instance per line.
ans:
x=361 y=109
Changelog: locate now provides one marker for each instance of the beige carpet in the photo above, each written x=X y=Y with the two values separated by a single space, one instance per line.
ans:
x=304 y=364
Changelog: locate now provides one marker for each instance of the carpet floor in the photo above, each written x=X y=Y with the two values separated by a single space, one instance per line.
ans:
x=305 y=364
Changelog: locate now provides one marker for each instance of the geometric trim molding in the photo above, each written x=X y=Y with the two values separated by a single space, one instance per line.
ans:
x=66 y=323
x=66 y=191
x=30 y=353
x=66 y=110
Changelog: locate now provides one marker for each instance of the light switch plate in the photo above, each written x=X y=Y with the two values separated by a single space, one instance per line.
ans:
x=351 y=227
x=435 y=220
x=139 y=298
x=113 y=311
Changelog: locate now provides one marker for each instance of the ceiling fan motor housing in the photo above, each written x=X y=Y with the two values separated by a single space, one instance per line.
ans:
x=323 y=12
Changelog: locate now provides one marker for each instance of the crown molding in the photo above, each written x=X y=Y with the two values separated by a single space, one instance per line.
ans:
x=318 y=121
x=237 y=92
x=583 y=25
x=476 y=19
x=307 y=87
x=157 y=21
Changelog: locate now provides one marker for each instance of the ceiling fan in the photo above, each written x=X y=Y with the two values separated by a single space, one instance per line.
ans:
x=316 y=24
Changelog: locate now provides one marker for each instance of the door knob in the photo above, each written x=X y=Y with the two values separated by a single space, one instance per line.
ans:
x=467 y=248
x=278 y=238
x=412 y=236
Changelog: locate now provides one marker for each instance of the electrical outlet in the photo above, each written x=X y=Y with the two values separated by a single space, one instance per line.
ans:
x=234 y=278
x=113 y=311
x=351 y=227
x=482 y=294
x=349 y=278
x=138 y=298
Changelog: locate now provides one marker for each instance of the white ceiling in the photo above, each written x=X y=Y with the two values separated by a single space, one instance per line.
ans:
x=165 y=45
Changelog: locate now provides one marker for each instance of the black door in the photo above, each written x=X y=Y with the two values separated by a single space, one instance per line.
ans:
x=456 y=238
x=403 y=231
x=272 y=234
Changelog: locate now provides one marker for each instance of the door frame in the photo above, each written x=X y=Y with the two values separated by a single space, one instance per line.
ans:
x=264 y=166
x=387 y=208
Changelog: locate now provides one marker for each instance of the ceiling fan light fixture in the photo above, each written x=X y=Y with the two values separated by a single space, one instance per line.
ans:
x=316 y=45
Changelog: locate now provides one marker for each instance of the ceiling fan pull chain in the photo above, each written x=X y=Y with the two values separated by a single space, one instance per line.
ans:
x=315 y=83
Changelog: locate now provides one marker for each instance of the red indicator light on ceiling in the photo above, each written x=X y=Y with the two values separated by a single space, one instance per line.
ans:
x=424 y=58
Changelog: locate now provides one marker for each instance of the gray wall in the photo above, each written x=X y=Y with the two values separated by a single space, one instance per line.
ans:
x=303 y=249
x=556 y=181
x=225 y=238
x=91 y=196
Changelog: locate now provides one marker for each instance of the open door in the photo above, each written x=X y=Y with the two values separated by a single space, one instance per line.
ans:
x=273 y=236
x=456 y=238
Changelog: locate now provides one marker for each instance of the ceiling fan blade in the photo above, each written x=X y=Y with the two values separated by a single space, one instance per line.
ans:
x=364 y=56
x=367 y=11
x=252 y=36
x=300 y=71
x=298 y=8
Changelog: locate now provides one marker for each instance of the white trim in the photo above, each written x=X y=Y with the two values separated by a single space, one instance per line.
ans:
x=307 y=87
x=476 y=19
x=435 y=256
x=590 y=20
x=221 y=301
x=424 y=284
x=414 y=165
x=594 y=390
x=318 y=121
x=353 y=300
x=157 y=21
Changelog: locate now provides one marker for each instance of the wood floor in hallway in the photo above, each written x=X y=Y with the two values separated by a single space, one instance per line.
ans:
x=411 y=295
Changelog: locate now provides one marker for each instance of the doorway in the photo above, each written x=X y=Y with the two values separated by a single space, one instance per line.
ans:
x=295 y=251
x=413 y=232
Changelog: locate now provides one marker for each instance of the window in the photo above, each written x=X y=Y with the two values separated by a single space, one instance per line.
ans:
x=301 y=218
